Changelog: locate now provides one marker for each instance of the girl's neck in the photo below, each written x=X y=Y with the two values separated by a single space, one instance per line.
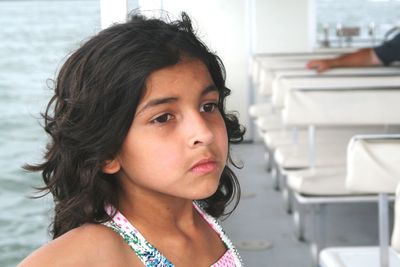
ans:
x=162 y=212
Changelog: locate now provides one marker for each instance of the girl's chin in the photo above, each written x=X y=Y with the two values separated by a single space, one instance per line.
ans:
x=206 y=193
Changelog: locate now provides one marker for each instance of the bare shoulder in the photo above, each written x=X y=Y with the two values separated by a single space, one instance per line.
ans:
x=88 y=245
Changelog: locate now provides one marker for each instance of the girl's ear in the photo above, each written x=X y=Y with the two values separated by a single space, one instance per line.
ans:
x=111 y=166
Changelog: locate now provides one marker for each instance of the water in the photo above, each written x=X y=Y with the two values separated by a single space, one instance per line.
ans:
x=383 y=14
x=35 y=37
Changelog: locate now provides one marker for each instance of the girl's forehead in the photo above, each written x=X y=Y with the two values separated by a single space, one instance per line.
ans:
x=188 y=80
x=187 y=75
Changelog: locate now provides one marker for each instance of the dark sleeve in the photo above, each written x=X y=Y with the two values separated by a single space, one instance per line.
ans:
x=389 y=51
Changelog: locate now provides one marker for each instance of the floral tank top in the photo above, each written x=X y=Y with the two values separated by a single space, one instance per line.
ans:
x=151 y=257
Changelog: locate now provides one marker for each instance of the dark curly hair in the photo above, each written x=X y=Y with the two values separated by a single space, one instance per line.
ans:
x=96 y=94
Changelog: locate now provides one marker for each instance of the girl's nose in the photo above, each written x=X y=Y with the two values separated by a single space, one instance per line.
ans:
x=201 y=133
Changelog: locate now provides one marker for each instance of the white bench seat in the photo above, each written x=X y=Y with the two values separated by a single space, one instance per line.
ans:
x=269 y=123
x=260 y=110
x=276 y=138
x=355 y=257
x=374 y=168
x=297 y=156
x=320 y=181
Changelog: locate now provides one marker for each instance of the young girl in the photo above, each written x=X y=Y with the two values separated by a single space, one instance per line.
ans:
x=137 y=162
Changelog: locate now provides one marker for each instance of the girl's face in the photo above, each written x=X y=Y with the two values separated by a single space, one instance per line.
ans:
x=177 y=144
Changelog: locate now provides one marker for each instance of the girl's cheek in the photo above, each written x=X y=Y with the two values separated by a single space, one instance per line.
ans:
x=224 y=138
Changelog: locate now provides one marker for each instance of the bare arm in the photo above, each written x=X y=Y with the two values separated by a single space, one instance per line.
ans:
x=88 y=245
x=361 y=58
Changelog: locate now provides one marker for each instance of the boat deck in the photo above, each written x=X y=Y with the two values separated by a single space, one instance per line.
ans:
x=265 y=233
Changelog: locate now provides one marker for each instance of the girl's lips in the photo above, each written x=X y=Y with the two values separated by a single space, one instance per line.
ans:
x=204 y=166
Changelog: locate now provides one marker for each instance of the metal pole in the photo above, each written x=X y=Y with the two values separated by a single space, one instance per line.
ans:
x=311 y=146
x=295 y=136
x=384 y=230
x=319 y=225
x=250 y=88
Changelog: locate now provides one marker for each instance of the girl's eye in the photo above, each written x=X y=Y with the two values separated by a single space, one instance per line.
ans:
x=208 y=107
x=163 y=118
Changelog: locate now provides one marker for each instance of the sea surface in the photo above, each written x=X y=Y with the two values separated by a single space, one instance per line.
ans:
x=35 y=38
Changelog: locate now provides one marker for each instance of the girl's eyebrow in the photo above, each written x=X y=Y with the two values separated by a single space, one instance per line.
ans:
x=165 y=100
x=209 y=89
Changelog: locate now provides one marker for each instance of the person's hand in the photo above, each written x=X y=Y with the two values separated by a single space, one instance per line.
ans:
x=320 y=65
